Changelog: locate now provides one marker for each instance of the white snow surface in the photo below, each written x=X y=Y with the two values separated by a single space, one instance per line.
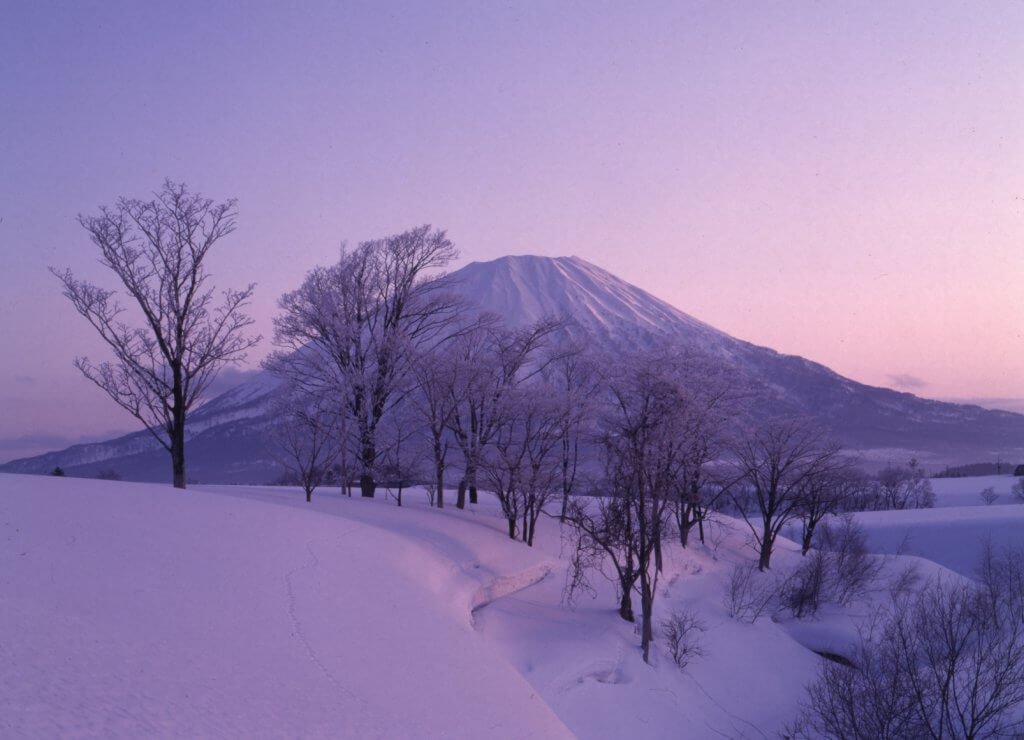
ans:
x=524 y=288
x=131 y=610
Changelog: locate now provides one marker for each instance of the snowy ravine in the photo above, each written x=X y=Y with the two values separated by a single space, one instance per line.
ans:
x=132 y=610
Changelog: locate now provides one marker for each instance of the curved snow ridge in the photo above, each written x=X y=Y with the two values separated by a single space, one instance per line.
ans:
x=503 y=586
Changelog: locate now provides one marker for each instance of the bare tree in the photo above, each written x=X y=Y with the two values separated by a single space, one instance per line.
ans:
x=162 y=368
x=712 y=401
x=491 y=361
x=435 y=400
x=775 y=464
x=903 y=487
x=989 y=495
x=305 y=430
x=520 y=464
x=1018 y=491
x=574 y=382
x=401 y=450
x=363 y=320
x=643 y=444
x=825 y=494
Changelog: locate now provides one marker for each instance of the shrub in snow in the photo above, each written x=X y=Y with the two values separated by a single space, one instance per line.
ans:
x=905 y=581
x=839 y=570
x=989 y=495
x=58 y=471
x=748 y=593
x=1018 y=492
x=804 y=588
x=853 y=569
x=681 y=637
x=903 y=487
x=945 y=662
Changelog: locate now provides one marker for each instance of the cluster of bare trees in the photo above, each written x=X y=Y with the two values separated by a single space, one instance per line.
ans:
x=658 y=430
x=944 y=661
x=409 y=381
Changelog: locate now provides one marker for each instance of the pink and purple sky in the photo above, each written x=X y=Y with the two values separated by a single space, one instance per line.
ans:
x=842 y=181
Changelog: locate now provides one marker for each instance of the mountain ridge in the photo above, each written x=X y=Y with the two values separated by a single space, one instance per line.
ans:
x=226 y=440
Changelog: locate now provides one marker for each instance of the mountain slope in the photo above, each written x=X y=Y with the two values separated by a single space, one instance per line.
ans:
x=227 y=442
x=616 y=316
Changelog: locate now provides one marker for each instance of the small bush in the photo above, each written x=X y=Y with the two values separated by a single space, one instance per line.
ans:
x=854 y=569
x=748 y=593
x=1018 y=492
x=58 y=471
x=681 y=637
x=989 y=495
x=804 y=588
x=108 y=475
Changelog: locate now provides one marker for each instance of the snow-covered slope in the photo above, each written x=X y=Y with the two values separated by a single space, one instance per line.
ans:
x=132 y=610
x=135 y=610
x=228 y=443
x=610 y=311
x=616 y=316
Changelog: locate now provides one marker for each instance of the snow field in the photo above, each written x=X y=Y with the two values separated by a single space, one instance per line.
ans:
x=131 y=610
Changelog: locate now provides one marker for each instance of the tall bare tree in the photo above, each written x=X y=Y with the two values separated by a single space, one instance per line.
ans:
x=775 y=465
x=162 y=367
x=361 y=321
x=520 y=464
x=644 y=444
x=574 y=382
x=492 y=361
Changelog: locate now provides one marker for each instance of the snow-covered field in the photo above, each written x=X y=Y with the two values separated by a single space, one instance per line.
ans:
x=132 y=610
x=954 y=533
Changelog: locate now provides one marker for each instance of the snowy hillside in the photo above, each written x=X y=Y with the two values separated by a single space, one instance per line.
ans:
x=616 y=316
x=228 y=440
x=138 y=610
x=608 y=311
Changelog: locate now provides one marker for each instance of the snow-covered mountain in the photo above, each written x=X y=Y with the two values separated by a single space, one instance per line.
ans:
x=227 y=442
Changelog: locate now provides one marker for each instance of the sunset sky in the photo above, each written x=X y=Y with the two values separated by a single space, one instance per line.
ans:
x=842 y=181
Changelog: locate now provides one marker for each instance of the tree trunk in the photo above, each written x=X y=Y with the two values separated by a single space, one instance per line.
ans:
x=626 y=606
x=309 y=495
x=647 y=630
x=178 y=431
x=178 y=452
x=808 y=535
x=565 y=479
x=511 y=527
x=178 y=460
x=472 y=493
x=764 y=562
x=460 y=502
x=367 y=485
x=440 y=484
x=684 y=533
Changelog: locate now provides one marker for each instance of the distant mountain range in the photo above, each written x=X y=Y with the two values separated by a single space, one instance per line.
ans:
x=227 y=435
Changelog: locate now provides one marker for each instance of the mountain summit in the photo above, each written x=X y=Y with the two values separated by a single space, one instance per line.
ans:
x=228 y=442
x=523 y=289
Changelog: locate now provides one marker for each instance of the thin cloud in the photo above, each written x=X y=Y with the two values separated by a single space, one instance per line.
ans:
x=906 y=381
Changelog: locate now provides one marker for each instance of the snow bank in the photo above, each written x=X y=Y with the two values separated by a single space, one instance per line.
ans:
x=132 y=610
